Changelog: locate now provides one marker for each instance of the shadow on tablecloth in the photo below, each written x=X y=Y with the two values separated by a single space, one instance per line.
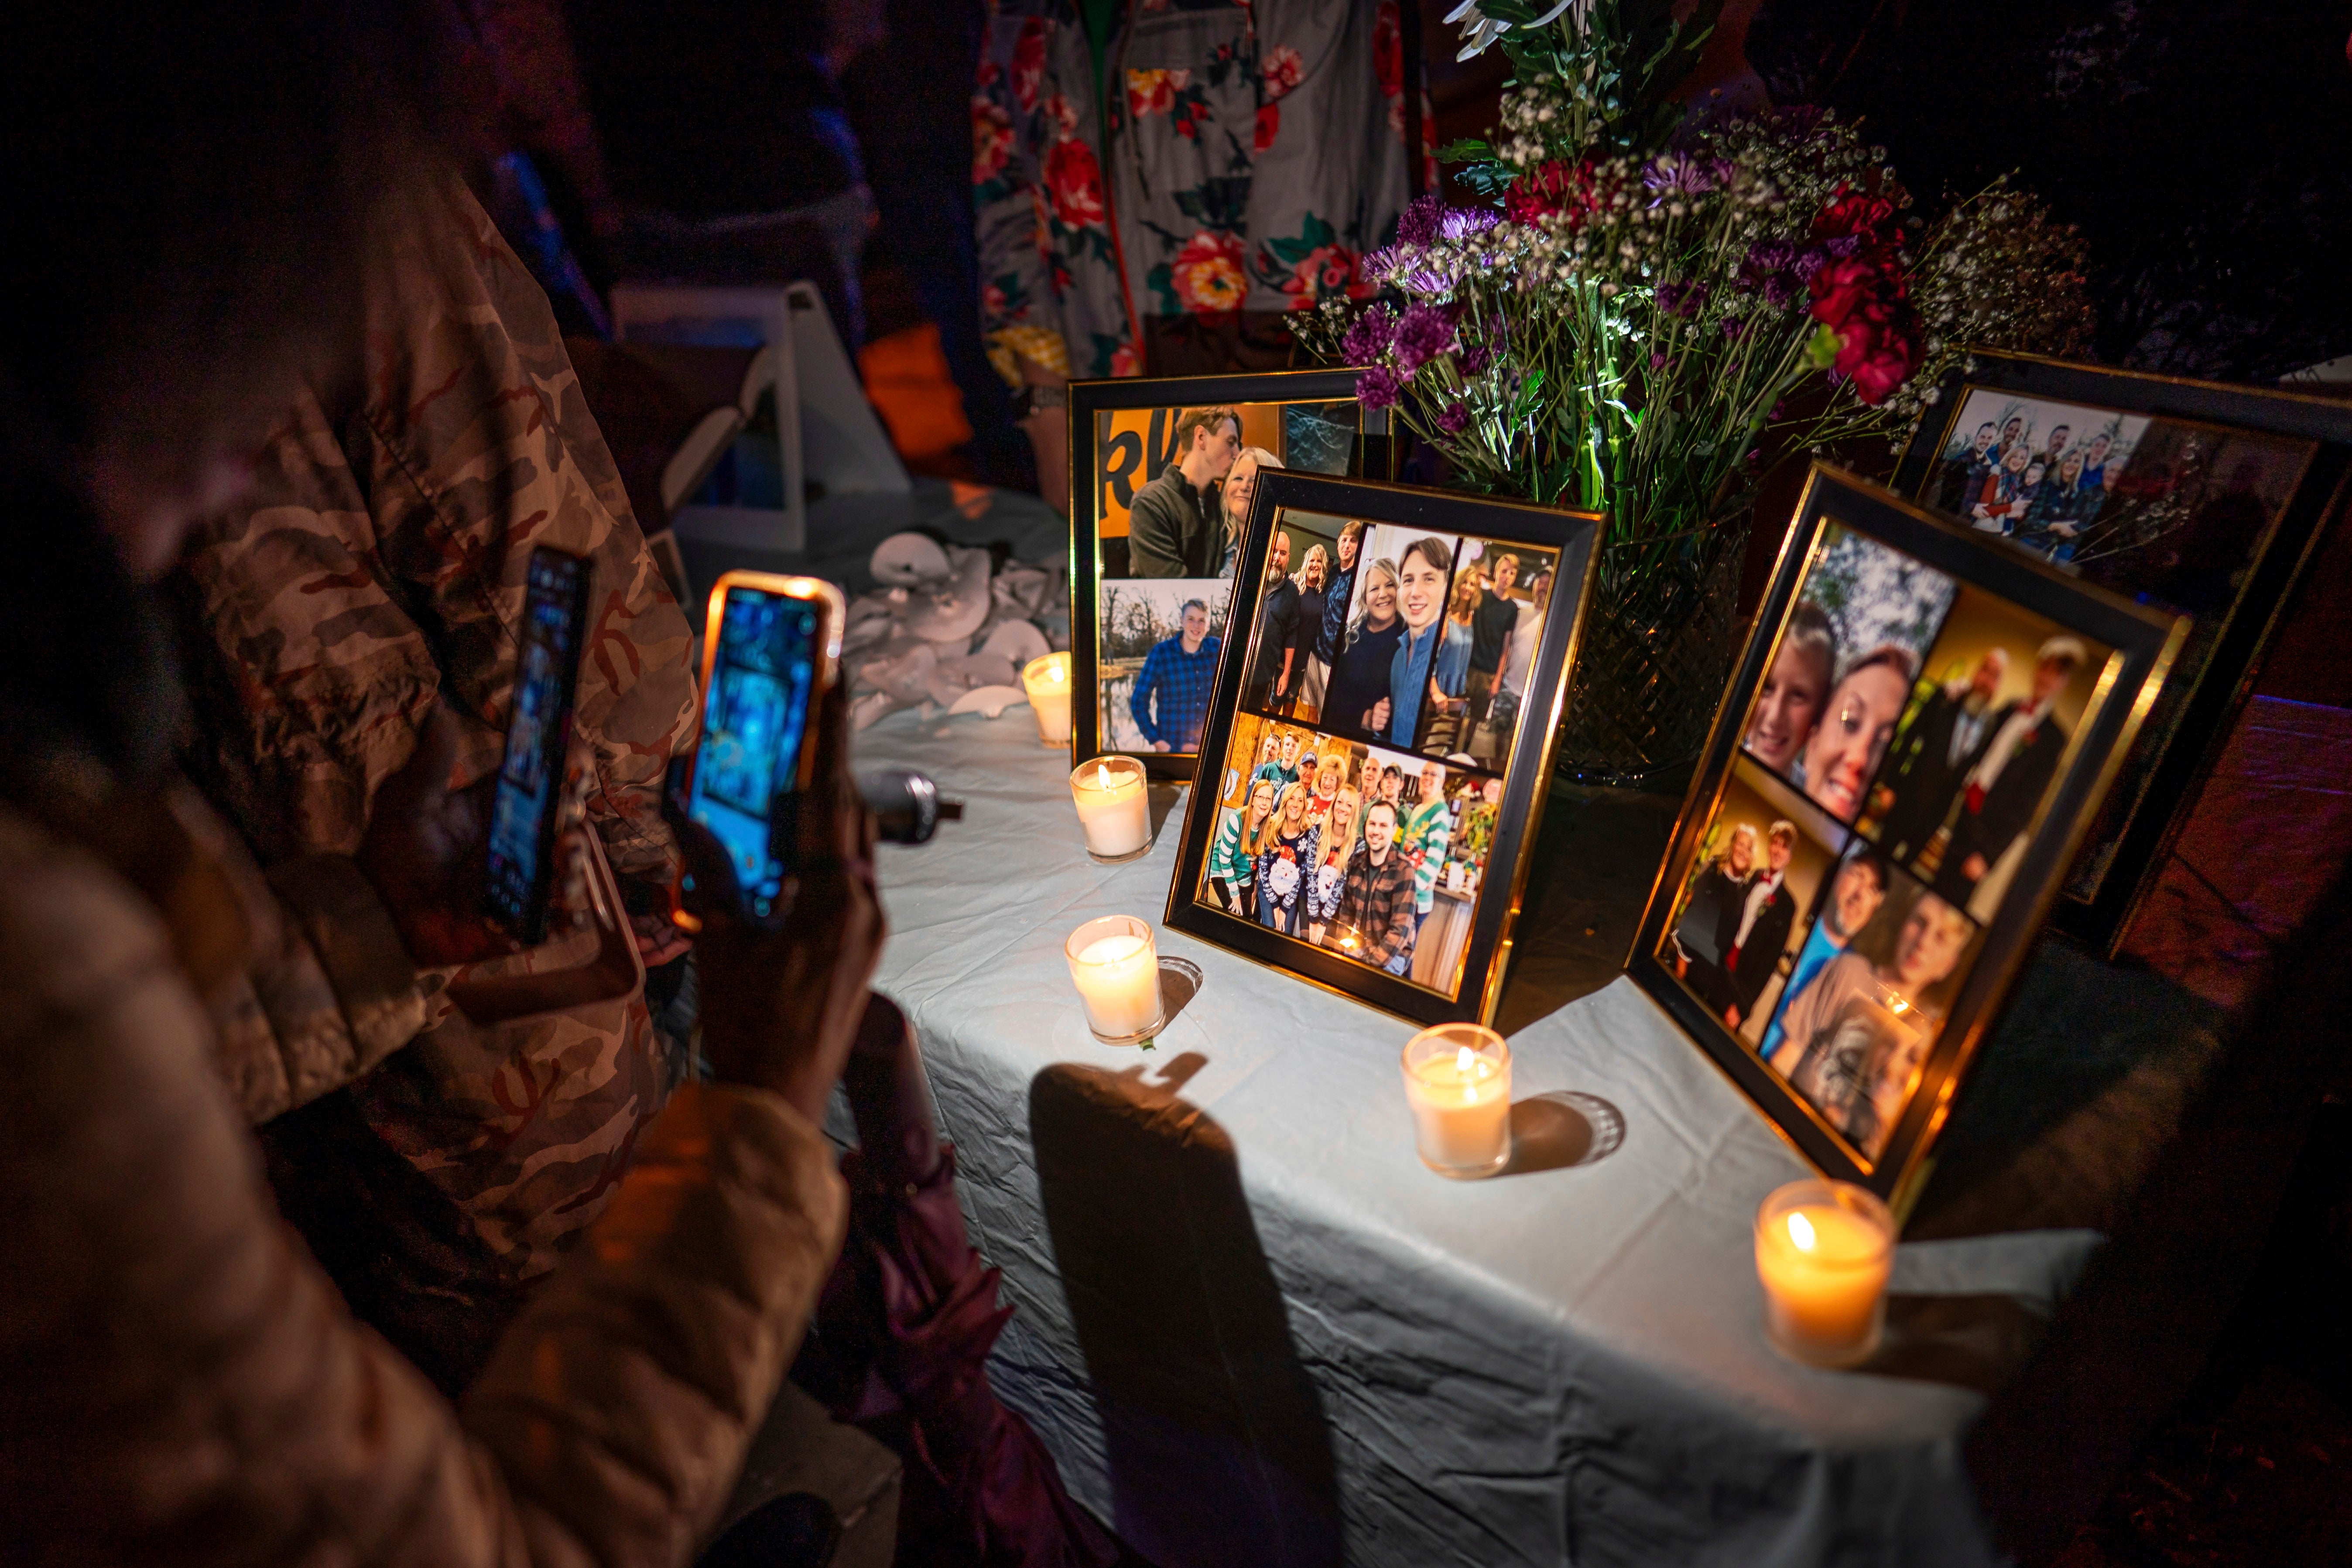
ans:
x=1215 y=1434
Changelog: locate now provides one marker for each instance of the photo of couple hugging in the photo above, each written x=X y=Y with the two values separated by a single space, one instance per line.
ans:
x=1393 y=637
x=1373 y=854
x=1901 y=751
x=2037 y=475
x=1171 y=497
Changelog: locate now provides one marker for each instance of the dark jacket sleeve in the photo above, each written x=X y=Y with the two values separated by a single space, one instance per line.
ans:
x=1155 y=535
x=1334 y=617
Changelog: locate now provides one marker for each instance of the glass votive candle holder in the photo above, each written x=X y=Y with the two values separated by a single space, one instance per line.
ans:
x=1458 y=1081
x=1047 y=682
x=1823 y=1250
x=1117 y=970
x=1114 y=810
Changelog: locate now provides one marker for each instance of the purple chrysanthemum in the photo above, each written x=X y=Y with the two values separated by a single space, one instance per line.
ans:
x=1377 y=388
x=1733 y=326
x=1454 y=418
x=1679 y=174
x=1476 y=358
x=1808 y=262
x=1424 y=334
x=1779 y=290
x=1462 y=223
x=1418 y=224
x=1370 y=337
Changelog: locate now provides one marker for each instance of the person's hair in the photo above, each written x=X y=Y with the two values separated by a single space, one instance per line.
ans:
x=1782 y=832
x=1464 y=600
x=1991 y=424
x=1498 y=567
x=1739 y=830
x=2075 y=455
x=2055 y=429
x=1264 y=459
x=1868 y=860
x=1316 y=553
x=1263 y=839
x=1810 y=631
x=1353 y=529
x=1354 y=798
x=1433 y=551
x=2063 y=650
x=1209 y=417
x=1250 y=799
x=187 y=190
x=1379 y=804
x=1901 y=659
x=1185 y=608
x=1331 y=760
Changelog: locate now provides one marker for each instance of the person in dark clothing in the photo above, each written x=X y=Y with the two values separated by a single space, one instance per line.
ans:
x=1306 y=683
x=1703 y=938
x=1766 y=915
x=1374 y=923
x=1271 y=672
x=728 y=144
x=1928 y=761
x=1491 y=625
x=1342 y=588
x=1360 y=675
x=2005 y=788
x=1175 y=527
x=1964 y=476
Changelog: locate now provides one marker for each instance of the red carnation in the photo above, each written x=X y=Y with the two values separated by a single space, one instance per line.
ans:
x=1842 y=287
x=1878 y=348
x=1553 y=187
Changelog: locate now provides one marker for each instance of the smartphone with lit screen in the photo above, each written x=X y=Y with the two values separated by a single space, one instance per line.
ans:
x=521 y=873
x=770 y=648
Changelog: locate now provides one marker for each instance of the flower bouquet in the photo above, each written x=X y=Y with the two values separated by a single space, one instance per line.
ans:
x=1642 y=308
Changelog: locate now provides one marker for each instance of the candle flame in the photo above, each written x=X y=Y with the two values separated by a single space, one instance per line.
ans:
x=1054 y=672
x=1464 y=1060
x=1801 y=1231
x=1102 y=776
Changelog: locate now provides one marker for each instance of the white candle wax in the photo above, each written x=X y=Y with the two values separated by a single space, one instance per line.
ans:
x=1113 y=811
x=1823 y=1251
x=1457 y=1082
x=1047 y=682
x=1117 y=970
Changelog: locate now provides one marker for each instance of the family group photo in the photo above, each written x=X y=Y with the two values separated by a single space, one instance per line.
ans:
x=1374 y=854
x=1396 y=636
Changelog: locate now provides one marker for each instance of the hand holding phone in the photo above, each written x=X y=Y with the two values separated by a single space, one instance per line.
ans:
x=782 y=996
x=424 y=853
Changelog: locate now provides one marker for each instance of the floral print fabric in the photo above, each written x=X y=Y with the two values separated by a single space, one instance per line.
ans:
x=1244 y=159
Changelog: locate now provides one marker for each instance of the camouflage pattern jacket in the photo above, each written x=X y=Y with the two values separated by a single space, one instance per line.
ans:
x=379 y=566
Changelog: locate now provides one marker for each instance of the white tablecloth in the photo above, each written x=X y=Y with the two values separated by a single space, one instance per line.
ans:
x=1560 y=1366
x=1253 y=1330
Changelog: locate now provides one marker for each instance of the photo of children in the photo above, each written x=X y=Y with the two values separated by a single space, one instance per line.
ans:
x=1432 y=646
x=1855 y=1030
x=1170 y=494
x=1847 y=660
x=1747 y=900
x=1981 y=739
x=2169 y=513
x=1373 y=852
x=1159 y=639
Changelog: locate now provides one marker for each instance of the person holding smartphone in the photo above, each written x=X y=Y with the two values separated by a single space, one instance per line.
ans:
x=185 y=1383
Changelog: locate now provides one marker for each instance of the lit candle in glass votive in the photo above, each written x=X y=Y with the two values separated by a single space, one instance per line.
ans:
x=1457 y=1079
x=1117 y=970
x=1112 y=808
x=1823 y=1250
x=1047 y=682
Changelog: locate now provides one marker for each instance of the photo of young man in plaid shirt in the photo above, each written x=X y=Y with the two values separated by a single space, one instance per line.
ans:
x=1171 y=699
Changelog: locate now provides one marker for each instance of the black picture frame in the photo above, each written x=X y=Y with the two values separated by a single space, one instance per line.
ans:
x=1371 y=457
x=2142 y=644
x=1526 y=767
x=2178 y=748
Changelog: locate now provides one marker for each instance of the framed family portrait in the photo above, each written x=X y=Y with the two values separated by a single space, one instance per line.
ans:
x=2197 y=499
x=1362 y=820
x=1163 y=473
x=1916 y=739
